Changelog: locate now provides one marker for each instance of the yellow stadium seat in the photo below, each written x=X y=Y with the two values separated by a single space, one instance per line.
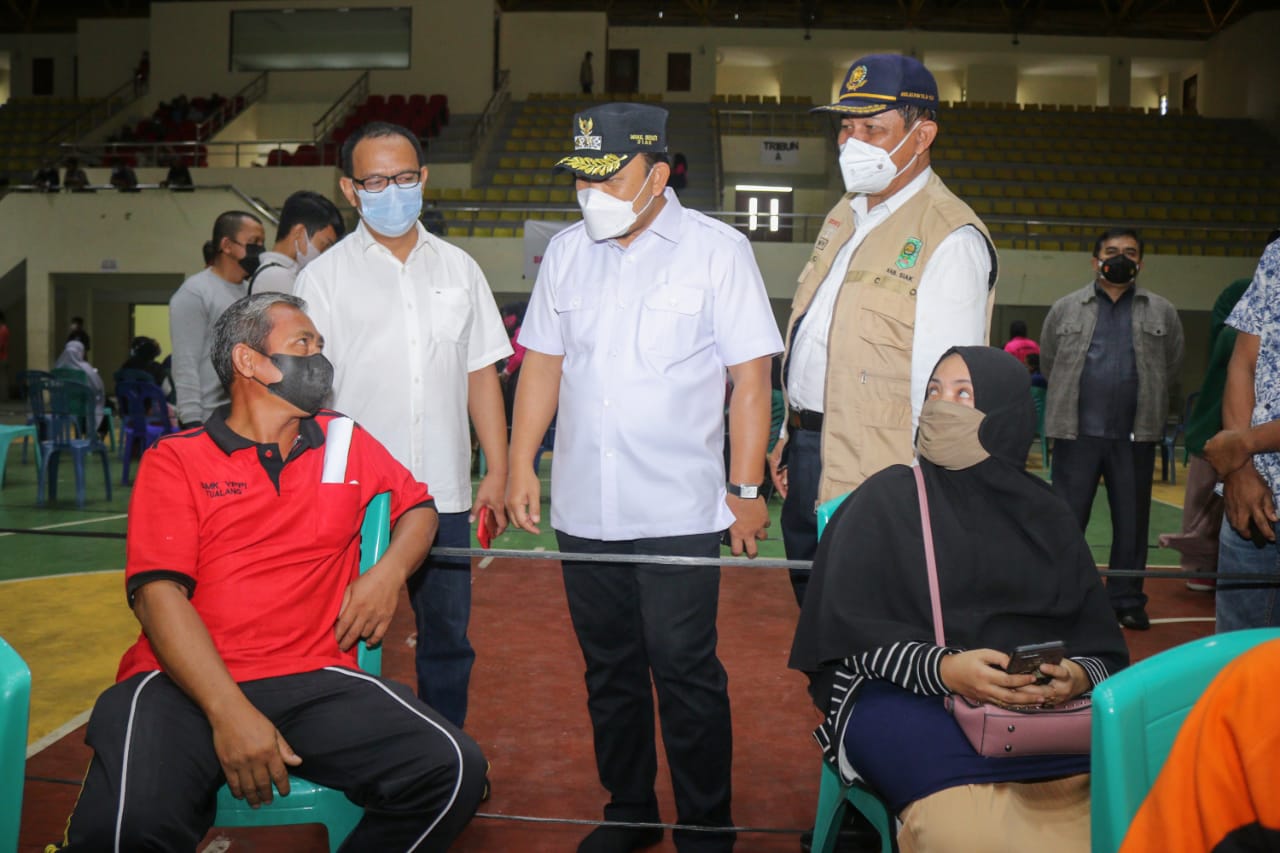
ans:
x=481 y=232
x=495 y=194
x=518 y=195
x=502 y=179
x=503 y=232
x=508 y=162
x=451 y=194
x=430 y=194
x=522 y=179
x=473 y=194
x=457 y=231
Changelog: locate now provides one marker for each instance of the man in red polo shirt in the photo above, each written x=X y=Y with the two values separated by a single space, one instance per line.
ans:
x=243 y=568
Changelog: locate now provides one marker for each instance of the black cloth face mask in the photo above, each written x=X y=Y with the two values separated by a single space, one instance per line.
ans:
x=1119 y=269
x=249 y=263
x=306 y=380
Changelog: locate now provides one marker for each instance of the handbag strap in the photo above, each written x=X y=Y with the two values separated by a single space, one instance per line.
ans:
x=930 y=560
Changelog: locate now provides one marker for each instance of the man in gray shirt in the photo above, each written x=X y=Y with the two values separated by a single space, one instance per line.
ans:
x=237 y=242
x=1110 y=352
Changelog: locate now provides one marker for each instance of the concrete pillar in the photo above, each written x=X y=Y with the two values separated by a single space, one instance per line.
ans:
x=1114 y=81
x=991 y=83
x=40 y=318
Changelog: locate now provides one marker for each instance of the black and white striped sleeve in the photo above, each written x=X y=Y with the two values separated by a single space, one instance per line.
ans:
x=913 y=666
x=1094 y=668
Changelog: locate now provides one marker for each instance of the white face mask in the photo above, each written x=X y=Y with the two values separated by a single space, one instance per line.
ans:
x=867 y=168
x=307 y=253
x=607 y=217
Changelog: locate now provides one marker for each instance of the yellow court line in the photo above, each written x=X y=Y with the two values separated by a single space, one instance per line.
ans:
x=71 y=630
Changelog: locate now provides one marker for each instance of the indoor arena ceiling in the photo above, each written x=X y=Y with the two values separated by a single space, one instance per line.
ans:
x=1189 y=19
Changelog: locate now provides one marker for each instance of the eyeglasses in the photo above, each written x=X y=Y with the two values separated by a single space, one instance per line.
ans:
x=378 y=183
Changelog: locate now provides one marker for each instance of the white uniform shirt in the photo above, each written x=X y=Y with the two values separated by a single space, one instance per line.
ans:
x=276 y=273
x=193 y=309
x=646 y=333
x=402 y=339
x=951 y=305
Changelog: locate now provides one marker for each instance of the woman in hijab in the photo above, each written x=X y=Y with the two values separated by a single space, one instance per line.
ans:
x=73 y=358
x=1013 y=569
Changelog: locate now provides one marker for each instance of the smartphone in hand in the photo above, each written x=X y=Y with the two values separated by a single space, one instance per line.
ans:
x=485 y=526
x=1026 y=660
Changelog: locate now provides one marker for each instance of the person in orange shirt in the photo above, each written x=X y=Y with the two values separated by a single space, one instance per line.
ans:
x=1217 y=791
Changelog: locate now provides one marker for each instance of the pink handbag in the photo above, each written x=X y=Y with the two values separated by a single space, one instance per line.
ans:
x=997 y=732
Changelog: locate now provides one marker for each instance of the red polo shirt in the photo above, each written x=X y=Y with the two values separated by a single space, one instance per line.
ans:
x=263 y=547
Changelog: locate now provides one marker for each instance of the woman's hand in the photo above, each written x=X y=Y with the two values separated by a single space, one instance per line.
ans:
x=1067 y=680
x=979 y=676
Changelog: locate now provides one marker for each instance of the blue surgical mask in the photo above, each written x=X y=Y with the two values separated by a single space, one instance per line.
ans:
x=393 y=211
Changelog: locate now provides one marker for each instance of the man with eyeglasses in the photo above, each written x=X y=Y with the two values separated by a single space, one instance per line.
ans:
x=196 y=305
x=1110 y=351
x=414 y=331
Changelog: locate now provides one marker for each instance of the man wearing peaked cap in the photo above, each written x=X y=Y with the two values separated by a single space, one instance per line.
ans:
x=637 y=313
x=902 y=270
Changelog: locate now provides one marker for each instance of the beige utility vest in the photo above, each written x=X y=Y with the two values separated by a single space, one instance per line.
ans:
x=867 y=422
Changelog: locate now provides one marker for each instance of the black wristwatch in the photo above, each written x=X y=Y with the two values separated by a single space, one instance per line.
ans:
x=746 y=491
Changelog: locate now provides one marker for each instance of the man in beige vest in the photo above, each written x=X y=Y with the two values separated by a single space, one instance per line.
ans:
x=901 y=271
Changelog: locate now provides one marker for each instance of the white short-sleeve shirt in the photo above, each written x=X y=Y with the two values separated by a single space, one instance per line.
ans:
x=646 y=332
x=402 y=339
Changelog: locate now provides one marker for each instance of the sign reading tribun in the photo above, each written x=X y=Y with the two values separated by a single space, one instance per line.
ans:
x=780 y=152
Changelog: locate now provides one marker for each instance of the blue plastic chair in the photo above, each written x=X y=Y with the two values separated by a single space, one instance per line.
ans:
x=144 y=415
x=25 y=378
x=308 y=802
x=1137 y=714
x=15 y=705
x=65 y=403
x=10 y=434
x=833 y=795
x=87 y=405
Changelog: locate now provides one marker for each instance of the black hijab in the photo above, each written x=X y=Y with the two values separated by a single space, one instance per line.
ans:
x=1013 y=567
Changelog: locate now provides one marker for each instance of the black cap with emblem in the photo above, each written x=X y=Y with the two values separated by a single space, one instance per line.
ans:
x=607 y=137
x=881 y=82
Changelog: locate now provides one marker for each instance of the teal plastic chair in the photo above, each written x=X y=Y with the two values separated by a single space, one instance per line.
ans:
x=1137 y=714
x=308 y=802
x=15 y=704
x=10 y=433
x=833 y=795
x=75 y=376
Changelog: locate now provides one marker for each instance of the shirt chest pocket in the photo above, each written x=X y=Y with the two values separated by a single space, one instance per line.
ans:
x=337 y=514
x=450 y=314
x=579 y=313
x=671 y=320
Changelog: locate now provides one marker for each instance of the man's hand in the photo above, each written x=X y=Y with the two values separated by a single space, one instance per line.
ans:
x=252 y=753
x=367 y=606
x=974 y=675
x=489 y=494
x=524 y=498
x=1227 y=452
x=778 y=471
x=1249 y=505
x=751 y=520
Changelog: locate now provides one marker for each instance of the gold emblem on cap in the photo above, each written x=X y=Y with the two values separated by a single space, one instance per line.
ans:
x=585 y=125
x=857 y=79
x=597 y=167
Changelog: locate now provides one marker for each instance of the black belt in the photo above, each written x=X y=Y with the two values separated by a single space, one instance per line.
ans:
x=802 y=419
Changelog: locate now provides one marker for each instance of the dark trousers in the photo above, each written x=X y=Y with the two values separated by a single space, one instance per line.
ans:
x=1126 y=467
x=633 y=620
x=799 y=517
x=418 y=777
x=440 y=592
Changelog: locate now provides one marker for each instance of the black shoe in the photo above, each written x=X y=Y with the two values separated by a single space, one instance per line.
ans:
x=619 y=839
x=1133 y=618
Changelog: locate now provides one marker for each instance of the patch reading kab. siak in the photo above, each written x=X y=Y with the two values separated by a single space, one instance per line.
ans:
x=910 y=253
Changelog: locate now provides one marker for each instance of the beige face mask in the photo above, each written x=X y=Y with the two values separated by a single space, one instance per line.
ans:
x=949 y=435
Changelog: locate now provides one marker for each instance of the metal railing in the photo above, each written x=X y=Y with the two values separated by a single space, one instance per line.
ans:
x=228 y=153
x=355 y=94
x=493 y=109
x=264 y=210
x=781 y=121
x=232 y=107
x=101 y=112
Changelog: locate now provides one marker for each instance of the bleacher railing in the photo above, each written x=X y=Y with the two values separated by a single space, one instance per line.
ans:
x=778 y=120
x=501 y=95
x=357 y=93
x=228 y=153
x=232 y=107
x=102 y=111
